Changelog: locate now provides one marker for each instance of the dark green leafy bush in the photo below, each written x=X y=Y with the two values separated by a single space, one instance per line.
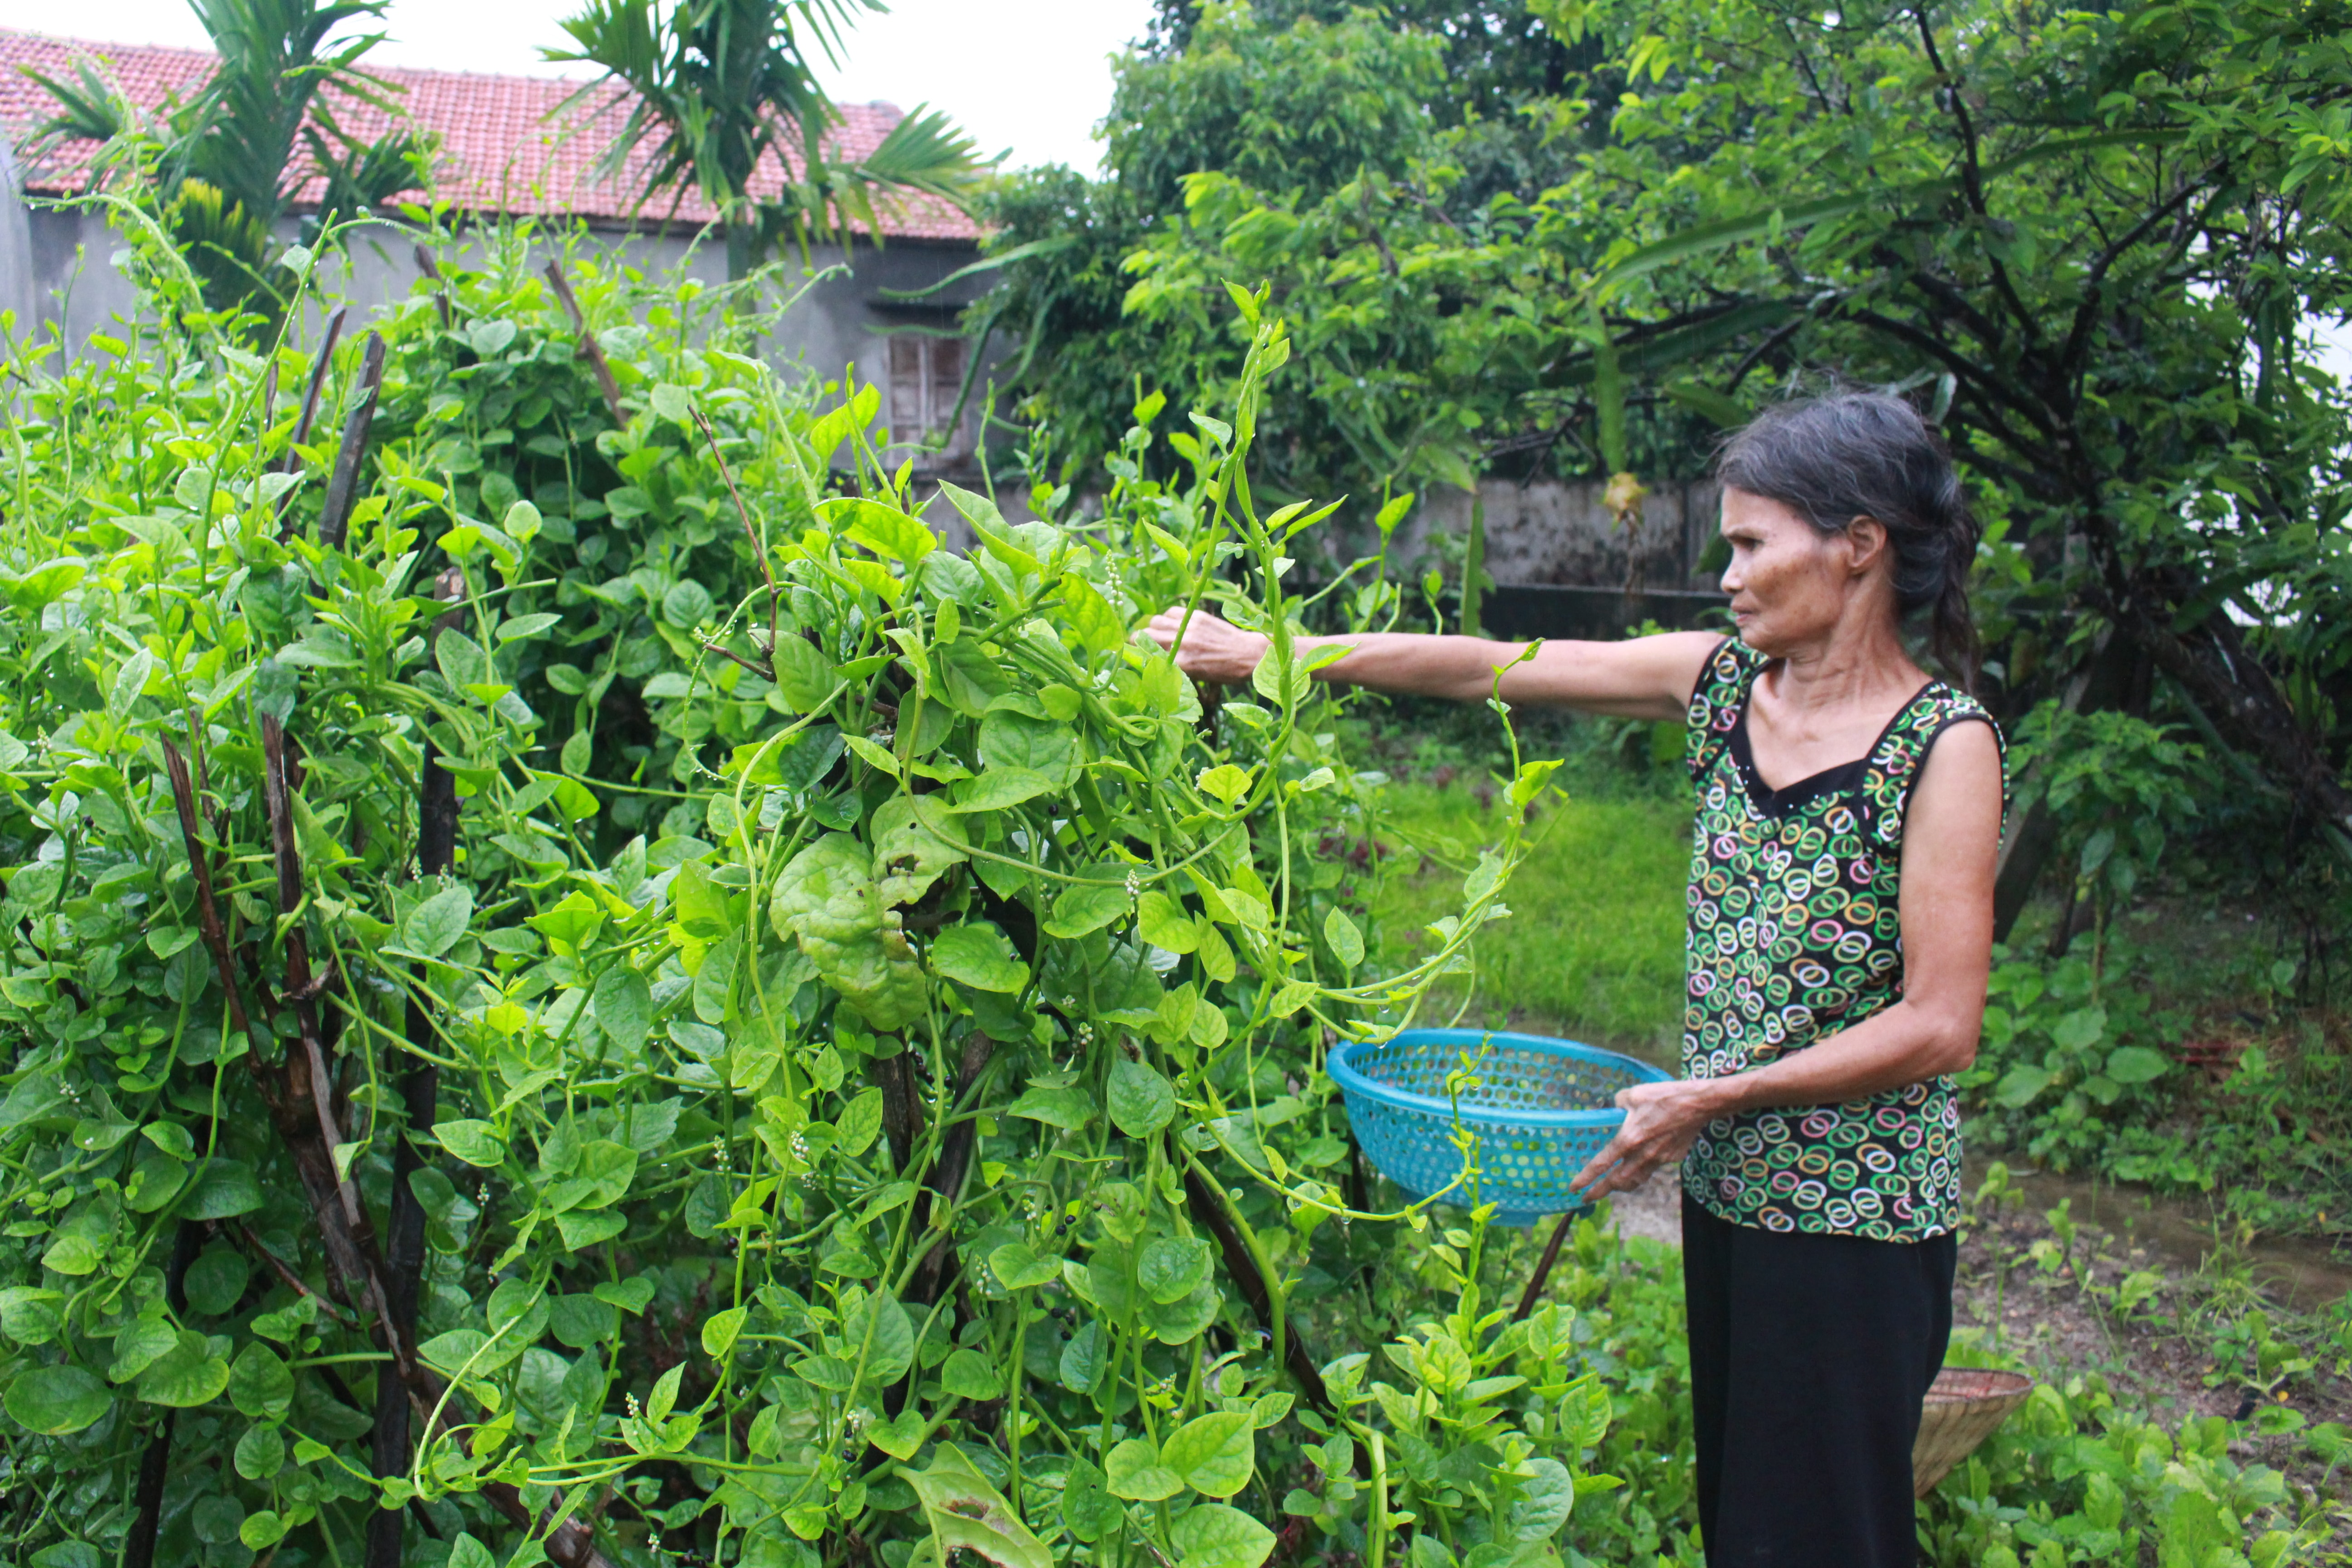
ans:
x=595 y=1023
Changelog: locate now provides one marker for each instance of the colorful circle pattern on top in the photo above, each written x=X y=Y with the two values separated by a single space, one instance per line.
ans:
x=1794 y=935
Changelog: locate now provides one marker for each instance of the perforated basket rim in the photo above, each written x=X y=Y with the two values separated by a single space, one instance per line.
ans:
x=1353 y=1082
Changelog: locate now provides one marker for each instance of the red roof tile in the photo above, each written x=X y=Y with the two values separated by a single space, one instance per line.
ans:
x=501 y=147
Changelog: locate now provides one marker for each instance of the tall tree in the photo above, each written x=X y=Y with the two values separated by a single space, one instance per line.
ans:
x=2087 y=242
x=1499 y=54
x=230 y=160
x=1312 y=118
x=722 y=86
x=2090 y=241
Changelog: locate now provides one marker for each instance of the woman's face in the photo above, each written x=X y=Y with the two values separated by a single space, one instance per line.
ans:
x=1790 y=583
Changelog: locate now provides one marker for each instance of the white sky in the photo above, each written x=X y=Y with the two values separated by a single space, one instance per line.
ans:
x=1028 y=76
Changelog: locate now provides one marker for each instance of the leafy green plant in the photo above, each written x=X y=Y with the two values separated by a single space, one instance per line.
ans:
x=2072 y=1479
x=2117 y=786
x=2063 y=1055
x=574 y=979
x=2081 y=1070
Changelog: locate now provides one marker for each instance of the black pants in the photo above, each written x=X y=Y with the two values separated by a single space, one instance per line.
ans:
x=1810 y=1355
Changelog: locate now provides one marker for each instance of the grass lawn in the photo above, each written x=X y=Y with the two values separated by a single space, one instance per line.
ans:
x=1593 y=948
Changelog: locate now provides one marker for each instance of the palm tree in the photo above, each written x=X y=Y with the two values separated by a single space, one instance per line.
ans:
x=228 y=161
x=719 y=86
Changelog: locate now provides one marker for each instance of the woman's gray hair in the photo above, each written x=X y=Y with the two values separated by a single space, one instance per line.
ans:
x=1848 y=454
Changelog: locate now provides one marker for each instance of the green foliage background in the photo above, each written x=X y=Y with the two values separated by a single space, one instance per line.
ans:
x=1562 y=239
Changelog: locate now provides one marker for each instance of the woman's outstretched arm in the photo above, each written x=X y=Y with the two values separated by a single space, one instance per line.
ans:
x=1642 y=677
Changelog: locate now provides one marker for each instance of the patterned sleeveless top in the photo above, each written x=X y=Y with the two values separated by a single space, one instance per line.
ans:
x=1795 y=934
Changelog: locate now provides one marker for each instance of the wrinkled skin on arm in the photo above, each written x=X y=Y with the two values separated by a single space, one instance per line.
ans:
x=1642 y=678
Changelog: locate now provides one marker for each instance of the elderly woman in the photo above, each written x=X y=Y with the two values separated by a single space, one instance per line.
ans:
x=1849 y=808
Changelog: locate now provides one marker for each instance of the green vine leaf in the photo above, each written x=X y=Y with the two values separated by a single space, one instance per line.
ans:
x=55 y=1400
x=966 y=1513
x=1133 y=1470
x=1017 y=1267
x=976 y=954
x=188 y=1374
x=1345 y=942
x=1216 y=1454
x=826 y=896
x=475 y=1142
x=1140 y=1102
x=1212 y=1535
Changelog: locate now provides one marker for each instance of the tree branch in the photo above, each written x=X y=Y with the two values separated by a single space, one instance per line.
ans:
x=2078 y=337
x=1208 y=1208
x=590 y=347
x=758 y=550
x=342 y=485
x=1972 y=173
x=420 y=1093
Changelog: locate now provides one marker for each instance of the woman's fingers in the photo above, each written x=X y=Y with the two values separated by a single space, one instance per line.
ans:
x=1604 y=1167
x=1625 y=1178
x=1662 y=1121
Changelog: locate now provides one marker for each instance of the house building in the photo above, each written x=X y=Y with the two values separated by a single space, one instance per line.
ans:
x=511 y=147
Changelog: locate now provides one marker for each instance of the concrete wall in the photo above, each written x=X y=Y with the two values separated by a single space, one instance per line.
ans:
x=837 y=324
x=15 y=247
x=1554 y=533
x=75 y=289
x=1561 y=566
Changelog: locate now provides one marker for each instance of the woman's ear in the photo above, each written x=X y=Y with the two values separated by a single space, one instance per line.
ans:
x=1866 y=544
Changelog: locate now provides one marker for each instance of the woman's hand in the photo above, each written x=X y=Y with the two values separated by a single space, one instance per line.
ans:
x=1661 y=1121
x=1212 y=649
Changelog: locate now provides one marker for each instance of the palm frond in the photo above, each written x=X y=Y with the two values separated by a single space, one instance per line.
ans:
x=720 y=86
x=621 y=38
x=367 y=175
x=927 y=152
x=625 y=40
x=226 y=247
x=276 y=56
x=90 y=108
x=831 y=19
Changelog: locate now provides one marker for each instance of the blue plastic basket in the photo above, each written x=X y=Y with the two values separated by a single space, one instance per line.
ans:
x=1541 y=1107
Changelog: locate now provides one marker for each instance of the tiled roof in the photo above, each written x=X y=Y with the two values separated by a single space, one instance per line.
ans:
x=501 y=147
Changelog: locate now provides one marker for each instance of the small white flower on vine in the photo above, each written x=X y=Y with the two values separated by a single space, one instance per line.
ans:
x=1134 y=885
x=630 y=1400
